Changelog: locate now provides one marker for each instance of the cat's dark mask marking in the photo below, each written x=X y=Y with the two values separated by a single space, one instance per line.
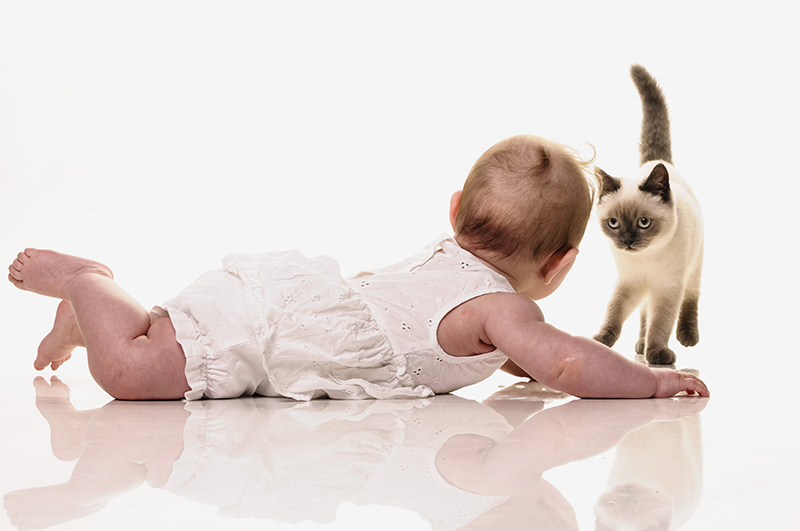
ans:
x=628 y=235
x=657 y=183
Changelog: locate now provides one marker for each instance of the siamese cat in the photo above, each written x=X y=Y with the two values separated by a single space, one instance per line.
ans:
x=656 y=232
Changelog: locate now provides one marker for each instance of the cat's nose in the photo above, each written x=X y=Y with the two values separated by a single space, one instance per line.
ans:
x=628 y=238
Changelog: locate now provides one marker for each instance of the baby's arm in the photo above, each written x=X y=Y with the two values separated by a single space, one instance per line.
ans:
x=579 y=366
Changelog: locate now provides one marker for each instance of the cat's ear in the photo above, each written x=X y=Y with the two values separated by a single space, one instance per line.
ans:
x=657 y=183
x=606 y=183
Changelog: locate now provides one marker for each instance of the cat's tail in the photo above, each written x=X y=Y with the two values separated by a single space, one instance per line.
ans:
x=655 y=142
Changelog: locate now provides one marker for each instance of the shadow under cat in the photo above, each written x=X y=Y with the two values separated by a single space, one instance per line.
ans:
x=457 y=463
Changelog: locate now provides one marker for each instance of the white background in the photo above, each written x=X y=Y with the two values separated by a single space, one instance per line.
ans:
x=158 y=136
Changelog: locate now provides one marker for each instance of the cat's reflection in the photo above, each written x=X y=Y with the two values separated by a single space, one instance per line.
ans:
x=656 y=479
x=458 y=463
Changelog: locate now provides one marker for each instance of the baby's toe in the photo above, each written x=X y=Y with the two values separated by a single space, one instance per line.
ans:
x=14 y=280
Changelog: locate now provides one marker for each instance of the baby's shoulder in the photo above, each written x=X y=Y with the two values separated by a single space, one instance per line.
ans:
x=499 y=303
x=462 y=332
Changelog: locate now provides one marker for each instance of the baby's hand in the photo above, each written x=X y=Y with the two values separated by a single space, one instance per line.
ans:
x=672 y=382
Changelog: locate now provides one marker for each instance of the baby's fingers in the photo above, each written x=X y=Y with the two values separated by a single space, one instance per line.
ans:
x=694 y=385
x=671 y=382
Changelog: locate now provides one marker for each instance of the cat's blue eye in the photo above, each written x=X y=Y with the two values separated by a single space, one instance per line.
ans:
x=643 y=223
x=613 y=223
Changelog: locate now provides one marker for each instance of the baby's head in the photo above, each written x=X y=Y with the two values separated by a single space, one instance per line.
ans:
x=525 y=201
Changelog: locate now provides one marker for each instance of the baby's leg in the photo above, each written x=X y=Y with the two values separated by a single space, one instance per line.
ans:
x=128 y=356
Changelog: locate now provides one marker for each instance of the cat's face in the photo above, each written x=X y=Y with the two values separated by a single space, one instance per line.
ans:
x=634 y=216
x=634 y=506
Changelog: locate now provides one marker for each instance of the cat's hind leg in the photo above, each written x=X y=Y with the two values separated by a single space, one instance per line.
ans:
x=688 y=331
x=640 y=344
x=623 y=302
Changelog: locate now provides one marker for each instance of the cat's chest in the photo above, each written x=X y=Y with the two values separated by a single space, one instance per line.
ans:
x=648 y=266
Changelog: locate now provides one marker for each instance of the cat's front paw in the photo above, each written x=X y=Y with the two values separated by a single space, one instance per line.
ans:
x=606 y=337
x=688 y=336
x=660 y=356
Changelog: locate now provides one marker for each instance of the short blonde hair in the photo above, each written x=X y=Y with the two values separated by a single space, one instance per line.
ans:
x=525 y=198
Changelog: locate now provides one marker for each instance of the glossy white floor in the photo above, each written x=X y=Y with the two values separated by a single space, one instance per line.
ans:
x=160 y=135
x=500 y=455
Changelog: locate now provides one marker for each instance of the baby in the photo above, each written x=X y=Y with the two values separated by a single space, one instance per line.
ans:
x=282 y=324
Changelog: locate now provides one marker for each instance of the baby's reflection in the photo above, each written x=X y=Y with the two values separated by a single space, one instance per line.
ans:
x=458 y=463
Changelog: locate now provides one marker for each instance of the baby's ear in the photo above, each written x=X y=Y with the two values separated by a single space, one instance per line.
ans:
x=558 y=261
x=455 y=204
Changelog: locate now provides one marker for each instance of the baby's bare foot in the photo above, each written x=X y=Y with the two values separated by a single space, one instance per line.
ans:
x=49 y=273
x=57 y=346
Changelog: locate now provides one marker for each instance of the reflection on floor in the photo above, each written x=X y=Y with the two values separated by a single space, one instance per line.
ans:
x=523 y=457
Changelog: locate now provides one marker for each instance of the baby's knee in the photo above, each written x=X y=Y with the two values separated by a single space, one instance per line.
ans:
x=166 y=378
x=150 y=367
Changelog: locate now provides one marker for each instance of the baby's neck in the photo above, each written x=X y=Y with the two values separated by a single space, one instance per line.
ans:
x=523 y=277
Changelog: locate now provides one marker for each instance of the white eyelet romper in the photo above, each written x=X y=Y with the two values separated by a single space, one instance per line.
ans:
x=282 y=324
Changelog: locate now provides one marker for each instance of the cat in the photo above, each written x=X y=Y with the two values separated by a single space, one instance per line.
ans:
x=655 y=227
